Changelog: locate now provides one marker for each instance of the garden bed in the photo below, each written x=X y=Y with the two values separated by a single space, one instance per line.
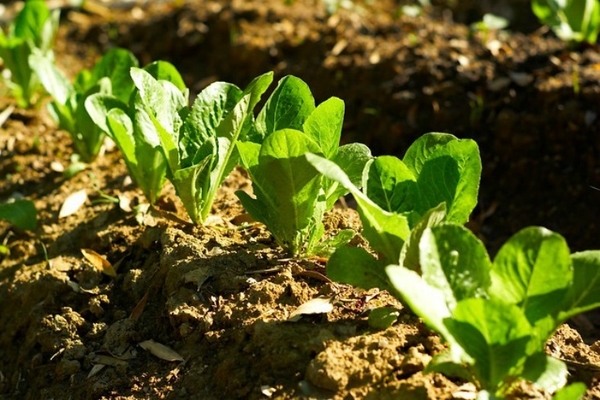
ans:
x=220 y=295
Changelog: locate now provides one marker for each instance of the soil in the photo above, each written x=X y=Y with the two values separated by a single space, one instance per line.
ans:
x=220 y=296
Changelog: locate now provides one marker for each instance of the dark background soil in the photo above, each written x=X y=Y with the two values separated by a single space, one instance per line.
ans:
x=401 y=77
x=529 y=100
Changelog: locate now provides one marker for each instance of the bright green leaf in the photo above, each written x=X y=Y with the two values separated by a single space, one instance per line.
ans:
x=20 y=213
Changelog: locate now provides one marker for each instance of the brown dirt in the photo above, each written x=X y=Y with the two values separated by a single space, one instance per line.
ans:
x=221 y=295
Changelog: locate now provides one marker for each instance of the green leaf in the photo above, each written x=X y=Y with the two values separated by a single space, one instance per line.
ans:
x=450 y=173
x=571 y=20
x=20 y=213
x=53 y=80
x=424 y=148
x=209 y=110
x=383 y=317
x=533 y=269
x=165 y=71
x=324 y=125
x=98 y=105
x=327 y=247
x=30 y=20
x=409 y=255
x=208 y=138
x=445 y=364
x=385 y=231
x=391 y=184
x=495 y=334
x=287 y=108
x=574 y=391
x=285 y=186
x=424 y=300
x=454 y=261
x=545 y=372
x=352 y=158
x=355 y=266
x=115 y=65
x=583 y=294
x=437 y=168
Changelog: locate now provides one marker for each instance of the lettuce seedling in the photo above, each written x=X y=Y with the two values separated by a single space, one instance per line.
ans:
x=110 y=76
x=437 y=180
x=198 y=142
x=571 y=20
x=32 y=32
x=497 y=316
x=290 y=196
x=130 y=127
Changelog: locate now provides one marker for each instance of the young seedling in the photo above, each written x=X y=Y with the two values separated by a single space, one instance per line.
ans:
x=437 y=180
x=32 y=32
x=130 y=127
x=197 y=142
x=572 y=20
x=497 y=316
x=290 y=196
x=110 y=76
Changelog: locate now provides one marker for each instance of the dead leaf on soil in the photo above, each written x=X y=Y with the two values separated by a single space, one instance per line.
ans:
x=267 y=390
x=78 y=289
x=468 y=391
x=139 y=308
x=160 y=350
x=73 y=203
x=99 y=262
x=108 y=360
x=57 y=166
x=95 y=369
x=319 y=305
x=125 y=203
x=4 y=115
x=197 y=276
x=60 y=264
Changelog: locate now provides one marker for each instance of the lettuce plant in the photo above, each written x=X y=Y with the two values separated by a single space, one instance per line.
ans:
x=497 y=316
x=437 y=180
x=290 y=197
x=130 y=127
x=199 y=142
x=571 y=20
x=32 y=32
x=110 y=76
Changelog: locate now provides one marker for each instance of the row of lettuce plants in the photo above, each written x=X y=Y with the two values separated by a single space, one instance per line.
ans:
x=496 y=316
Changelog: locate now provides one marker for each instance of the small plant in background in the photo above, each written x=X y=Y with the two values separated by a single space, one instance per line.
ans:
x=32 y=32
x=110 y=76
x=571 y=20
x=290 y=196
x=131 y=128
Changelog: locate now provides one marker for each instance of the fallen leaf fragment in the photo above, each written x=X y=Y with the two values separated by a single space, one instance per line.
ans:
x=319 y=305
x=160 y=350
x=4 y=115
x=95 y=369
x=57 y=166
x=73 y=203
x=267 y=390
x=125 y=203
x=108 y=360
x=139 y=308
x=99 y=262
